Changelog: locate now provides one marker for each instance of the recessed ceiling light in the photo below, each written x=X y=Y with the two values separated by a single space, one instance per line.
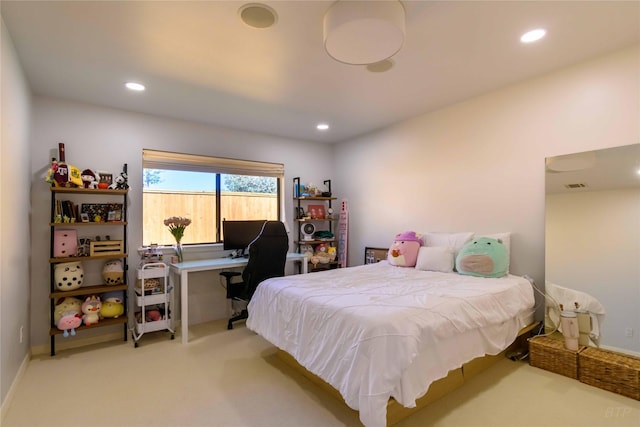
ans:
x=135 y=86
x=322 y=126
x=533 y=35
x=257 y=15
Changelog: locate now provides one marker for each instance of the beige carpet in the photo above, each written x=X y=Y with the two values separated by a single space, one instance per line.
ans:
x=232 y=378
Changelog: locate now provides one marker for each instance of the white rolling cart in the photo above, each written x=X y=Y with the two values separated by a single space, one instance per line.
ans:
x=153 y=301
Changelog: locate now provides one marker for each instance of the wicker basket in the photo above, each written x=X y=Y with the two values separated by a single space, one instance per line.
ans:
x=550 y=354
x=610 y=371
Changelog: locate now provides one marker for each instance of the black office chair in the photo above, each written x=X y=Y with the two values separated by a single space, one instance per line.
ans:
x=267 y=257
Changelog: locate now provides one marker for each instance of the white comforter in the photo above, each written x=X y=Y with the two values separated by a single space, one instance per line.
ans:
x=379 y=331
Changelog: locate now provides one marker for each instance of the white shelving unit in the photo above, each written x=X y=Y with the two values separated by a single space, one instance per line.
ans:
x=158 y=297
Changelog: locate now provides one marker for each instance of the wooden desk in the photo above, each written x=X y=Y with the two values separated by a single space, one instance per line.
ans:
x=183 y=269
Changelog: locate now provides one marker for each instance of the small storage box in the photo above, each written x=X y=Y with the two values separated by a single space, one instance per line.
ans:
x=619 y=373
x=106 y=247
x=65 y=243
x=550 y=354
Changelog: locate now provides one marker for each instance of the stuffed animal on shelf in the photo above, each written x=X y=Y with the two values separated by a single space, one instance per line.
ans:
x=68 y=275
x=68 y=323
x=111 y=307
x=91 y=309
x=51 y=172
x=404 y=250
x=113 y=272
x=66 y=305
x=483 y=257
x=90 y=179
x=115 y=296
x=121 y=182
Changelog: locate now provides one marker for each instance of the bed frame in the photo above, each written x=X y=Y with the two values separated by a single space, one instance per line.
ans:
x=439 y=388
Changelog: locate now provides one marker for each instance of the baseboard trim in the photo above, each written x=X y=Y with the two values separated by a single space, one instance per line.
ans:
x=78 y=342
x=620 y=350
x=6 y=403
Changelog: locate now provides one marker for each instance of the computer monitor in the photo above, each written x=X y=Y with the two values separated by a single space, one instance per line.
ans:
x=238 y=234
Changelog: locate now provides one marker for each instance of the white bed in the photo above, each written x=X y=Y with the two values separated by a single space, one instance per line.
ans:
x=377 y=331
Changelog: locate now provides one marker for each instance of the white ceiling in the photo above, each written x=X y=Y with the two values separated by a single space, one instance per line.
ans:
x=200 y=62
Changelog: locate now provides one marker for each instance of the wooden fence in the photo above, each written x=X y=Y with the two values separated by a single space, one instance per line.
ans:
x=200 y=207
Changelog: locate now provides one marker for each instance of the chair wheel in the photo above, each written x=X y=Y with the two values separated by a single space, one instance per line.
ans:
x=172 y=336
x=229 y=325
x=135 y=345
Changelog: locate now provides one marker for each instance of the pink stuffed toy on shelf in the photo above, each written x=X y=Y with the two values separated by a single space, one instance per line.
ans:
x=404 y=250
x=68 y=323
x=91 y=309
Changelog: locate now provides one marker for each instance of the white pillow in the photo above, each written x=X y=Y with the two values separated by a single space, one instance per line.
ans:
x=453 y=241
x=435 y=258
x=505 y=238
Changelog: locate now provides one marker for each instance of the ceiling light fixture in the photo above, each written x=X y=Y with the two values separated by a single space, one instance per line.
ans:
x=135 y=86
x=364 y=32
x=322 y=126
x=258 y=15
x=533 y=35
x=380 y=67
x=571 y=162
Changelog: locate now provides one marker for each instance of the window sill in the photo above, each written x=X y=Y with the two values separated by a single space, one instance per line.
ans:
x=208 y=250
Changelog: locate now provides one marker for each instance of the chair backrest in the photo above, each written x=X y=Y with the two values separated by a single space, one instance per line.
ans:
x=267 y=256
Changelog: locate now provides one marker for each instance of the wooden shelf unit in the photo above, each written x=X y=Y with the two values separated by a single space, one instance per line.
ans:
x=302 y=202
x=86 y=290
x=74 y=224
x=122 y=320
x=98 y=289
x=58 y=260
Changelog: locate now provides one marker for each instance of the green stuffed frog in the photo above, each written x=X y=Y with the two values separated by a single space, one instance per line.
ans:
x=483 y=257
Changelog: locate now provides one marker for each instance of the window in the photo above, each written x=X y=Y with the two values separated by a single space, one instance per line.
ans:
x=206 y=190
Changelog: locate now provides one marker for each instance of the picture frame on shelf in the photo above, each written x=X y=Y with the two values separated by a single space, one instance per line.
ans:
x=114 y=215
x=84 y=245
x=316 y=211
x=106 y=177
x=84 y=217
x=102 y=210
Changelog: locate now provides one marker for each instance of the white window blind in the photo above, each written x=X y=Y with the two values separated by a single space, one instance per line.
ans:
x=153 y=159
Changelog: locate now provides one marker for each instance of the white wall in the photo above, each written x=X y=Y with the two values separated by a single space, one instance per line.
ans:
x=15 y=184
x=103 y=139
x=479 y=165
x=593 y=246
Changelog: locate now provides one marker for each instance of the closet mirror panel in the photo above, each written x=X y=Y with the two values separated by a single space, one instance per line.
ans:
x=592 y=241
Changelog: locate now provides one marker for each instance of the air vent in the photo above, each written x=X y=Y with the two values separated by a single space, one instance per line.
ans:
x=574 y=186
